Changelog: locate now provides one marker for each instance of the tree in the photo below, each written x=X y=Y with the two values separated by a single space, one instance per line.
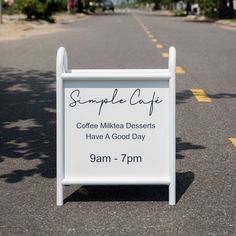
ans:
x=40 y=9
x=0 y=11
x=225 y=9
x=80 y=6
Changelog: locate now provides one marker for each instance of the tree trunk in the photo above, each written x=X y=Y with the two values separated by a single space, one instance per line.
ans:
x=224 y=10
x=0 y=11
x=80 y=6
x=231 y=9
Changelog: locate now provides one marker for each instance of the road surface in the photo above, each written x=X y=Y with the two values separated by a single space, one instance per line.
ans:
x=206 y=120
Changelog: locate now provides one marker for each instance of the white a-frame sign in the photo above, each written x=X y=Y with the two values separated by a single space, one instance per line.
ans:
x=115 y=127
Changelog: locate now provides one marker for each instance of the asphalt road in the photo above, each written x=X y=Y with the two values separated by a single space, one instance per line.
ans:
x=206 y=159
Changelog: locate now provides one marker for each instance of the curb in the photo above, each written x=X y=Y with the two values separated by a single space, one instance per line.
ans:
x=16 y=27
x=226 y=23
x=202 y=19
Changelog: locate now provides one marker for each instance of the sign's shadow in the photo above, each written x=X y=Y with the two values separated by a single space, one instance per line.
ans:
x=139 y=192
x=131 y=192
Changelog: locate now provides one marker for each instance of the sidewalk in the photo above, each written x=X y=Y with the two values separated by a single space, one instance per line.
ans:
x=200 y=19
x=226 y=23
x=16 y=27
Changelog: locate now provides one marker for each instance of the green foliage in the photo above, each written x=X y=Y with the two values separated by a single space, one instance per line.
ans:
x=60 y=5
x=10 y=10
x=165 y=2
x=132 y=5
x=40 y=9
x=207 y=6
x=179 y=13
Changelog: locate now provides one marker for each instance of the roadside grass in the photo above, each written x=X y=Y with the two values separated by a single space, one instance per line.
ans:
x=10 y=10
x=179 y=13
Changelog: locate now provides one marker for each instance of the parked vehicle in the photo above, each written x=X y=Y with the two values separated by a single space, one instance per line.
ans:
x=108 y=6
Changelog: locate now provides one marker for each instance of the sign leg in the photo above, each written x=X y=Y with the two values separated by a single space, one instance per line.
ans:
x=172 y=69
x=61 y=67
x=59 y=194
x=172 y=197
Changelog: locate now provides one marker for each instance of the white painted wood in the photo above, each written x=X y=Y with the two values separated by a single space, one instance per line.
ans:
x=61 y=67
x=126 y=74
x=152 y=148
x=120 y=181
x=172 y=68
x=72 y=151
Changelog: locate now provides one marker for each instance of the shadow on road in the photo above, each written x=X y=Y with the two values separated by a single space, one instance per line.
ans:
x=183 y=146
x=222 y=95
x=139 y=193
x=110 y=13
x=131 y=193
x=184 y=96
x=157 y=14
x=27 y=120
x=28 y=137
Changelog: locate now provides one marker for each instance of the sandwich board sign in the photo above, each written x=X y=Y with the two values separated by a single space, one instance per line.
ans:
x=115 y=127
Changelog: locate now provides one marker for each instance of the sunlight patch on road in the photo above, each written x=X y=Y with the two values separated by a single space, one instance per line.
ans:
x=19 y=88
x=51 y=110
x=22 y=125
x=200 y=95
x=18 y=144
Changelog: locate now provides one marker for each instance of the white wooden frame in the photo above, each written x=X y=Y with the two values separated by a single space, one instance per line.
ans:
x=63 y=73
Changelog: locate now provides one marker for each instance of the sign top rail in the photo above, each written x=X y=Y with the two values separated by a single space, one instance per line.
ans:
x=122 y=74
x=112 y=74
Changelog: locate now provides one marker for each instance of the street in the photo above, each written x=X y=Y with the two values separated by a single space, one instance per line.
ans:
x=206 y=129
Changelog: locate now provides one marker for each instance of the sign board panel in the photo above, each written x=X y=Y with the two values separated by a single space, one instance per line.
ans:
x=116 y=130
x=115 y=127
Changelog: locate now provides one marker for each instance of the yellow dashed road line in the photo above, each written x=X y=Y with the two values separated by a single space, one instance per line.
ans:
x=159 y=46
x=233 y=141
x=200 y=95
x=165 y=54
x=180 y=70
